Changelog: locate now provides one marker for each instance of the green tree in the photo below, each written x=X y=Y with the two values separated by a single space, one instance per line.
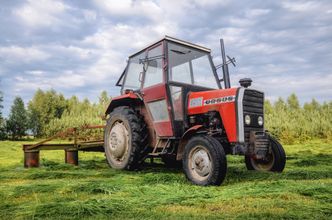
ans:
x=280 y=105
x=2 y=120
x=34 y=121
x=104 y=99
x=293 y=102
x=268 y=108
x=44 y=107
x=18 y=120
x=72 y=103
x=312 y=106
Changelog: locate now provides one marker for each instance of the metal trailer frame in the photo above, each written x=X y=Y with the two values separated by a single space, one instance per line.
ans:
x=31 y=151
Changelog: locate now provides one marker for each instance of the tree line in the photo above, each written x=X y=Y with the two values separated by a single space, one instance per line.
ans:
x=49 y=112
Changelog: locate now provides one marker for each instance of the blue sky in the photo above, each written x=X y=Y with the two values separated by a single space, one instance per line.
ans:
x=80 y=47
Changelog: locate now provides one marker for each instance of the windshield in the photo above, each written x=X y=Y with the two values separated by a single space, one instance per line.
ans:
x=190 y=66
x=134 y=69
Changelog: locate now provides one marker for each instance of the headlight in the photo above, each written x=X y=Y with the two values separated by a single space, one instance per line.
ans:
x=247 y=120
x=260 y=120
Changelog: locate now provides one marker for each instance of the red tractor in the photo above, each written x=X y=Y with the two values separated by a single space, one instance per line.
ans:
x=173 y=105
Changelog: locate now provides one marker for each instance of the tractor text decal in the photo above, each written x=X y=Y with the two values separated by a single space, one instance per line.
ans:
x=196 y=102
x=224 y=99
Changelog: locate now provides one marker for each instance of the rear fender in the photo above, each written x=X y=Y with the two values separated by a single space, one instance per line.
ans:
x=185 y=138
x=129 y=99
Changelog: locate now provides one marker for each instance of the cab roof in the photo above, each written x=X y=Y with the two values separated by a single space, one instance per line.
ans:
x=175 y=40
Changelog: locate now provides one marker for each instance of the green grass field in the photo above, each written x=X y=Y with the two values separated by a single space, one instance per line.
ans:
x=94 y=191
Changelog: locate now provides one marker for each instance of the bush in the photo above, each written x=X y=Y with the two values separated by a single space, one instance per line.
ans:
x=295 y=124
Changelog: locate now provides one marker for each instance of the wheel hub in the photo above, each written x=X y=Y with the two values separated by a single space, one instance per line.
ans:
x=265 y=164
x=200 y=162
x=118 y=140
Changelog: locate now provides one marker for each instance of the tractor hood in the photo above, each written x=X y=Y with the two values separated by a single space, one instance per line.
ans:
x=232 y=104
x=222 y=101
x=201 y=102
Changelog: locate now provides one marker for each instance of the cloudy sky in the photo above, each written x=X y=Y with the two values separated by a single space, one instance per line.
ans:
x=80 y=47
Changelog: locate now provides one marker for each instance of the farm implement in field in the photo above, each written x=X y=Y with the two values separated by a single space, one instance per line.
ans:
x=31 y=151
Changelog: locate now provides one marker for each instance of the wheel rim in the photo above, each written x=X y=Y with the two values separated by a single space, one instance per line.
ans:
x=200 y=164
x=118 y=142
x=263 y=165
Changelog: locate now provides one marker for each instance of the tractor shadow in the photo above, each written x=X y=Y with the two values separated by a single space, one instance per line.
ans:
x=298 y=167
x=158 y=167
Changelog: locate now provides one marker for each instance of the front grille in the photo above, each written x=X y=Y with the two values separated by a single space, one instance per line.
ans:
x=253 y=105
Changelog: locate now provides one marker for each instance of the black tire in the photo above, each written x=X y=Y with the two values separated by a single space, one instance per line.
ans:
x=277 y=159
x=136 y=139
x=216 y=156
x=170 y=161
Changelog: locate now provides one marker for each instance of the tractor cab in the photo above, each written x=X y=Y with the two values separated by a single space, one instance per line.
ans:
x=163 y=74
x=173 y=106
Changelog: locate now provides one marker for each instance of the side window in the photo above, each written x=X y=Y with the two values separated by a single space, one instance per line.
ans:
x=154 y=71
x=158 y=110
x=176 y=93
x=133 y=73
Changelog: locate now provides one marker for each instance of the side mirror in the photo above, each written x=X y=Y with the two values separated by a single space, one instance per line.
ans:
x=245 y=82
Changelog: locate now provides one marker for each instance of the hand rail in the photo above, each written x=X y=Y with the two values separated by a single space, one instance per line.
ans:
x=66 y=132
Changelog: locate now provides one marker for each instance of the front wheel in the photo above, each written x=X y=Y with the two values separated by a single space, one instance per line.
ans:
x=275 y=161
x=204 y=161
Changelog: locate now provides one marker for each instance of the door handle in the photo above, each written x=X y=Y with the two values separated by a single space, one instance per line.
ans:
x=140 y=77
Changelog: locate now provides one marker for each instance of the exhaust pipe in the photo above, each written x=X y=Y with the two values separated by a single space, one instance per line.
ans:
x=224 y=66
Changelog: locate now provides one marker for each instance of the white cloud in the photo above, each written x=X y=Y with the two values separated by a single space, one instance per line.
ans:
x=205 y=3
x=143 y=8
x=257 y=12
x=265 y=48
x=302 y=86
x=70 y=51
x=68 y=79
x=18 y=54
x=34 y=72
x=300 y=6
x=89 y=15
x=41 y=13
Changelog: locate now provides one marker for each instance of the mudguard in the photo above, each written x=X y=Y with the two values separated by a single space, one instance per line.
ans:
x=129 y=99
x=185 y=138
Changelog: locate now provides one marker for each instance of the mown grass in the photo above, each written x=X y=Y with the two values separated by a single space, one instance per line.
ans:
x=94 y=191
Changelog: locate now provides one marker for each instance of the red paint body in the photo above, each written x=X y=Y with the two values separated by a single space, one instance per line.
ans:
x=226 y=110
x=156 y=93
x=129 y=95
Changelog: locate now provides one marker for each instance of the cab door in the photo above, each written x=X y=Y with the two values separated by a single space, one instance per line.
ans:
x=154 y=91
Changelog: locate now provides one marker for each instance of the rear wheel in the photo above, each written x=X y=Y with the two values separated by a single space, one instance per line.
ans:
x=275 y=161
x=204 y=161
x=125 y=139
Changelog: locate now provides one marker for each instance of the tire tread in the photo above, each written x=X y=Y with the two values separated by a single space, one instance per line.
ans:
x=139 y=136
